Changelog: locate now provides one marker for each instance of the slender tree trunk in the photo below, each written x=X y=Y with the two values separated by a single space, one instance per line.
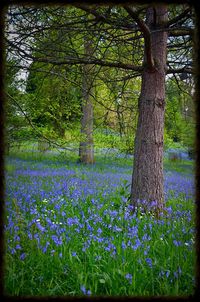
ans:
x=147 y=178
x=86 y=148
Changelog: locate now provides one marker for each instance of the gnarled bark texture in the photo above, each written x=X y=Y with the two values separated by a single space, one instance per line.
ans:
x=147 y=178
x=86 y=148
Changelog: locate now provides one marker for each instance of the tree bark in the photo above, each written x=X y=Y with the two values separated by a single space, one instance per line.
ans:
x=147 y=178
x=86 y=148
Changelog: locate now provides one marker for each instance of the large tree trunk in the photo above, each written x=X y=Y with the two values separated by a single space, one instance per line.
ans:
x=86 y=148
x=147 y=179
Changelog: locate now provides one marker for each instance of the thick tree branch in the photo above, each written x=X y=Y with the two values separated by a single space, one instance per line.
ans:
x=74 y=61
x=175 y=32
x=179 y=70
x=146 y=33
x=179 y=17
x=93 y=12
x=104 y=18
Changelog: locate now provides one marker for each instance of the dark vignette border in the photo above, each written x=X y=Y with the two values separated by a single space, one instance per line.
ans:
x=196 y=5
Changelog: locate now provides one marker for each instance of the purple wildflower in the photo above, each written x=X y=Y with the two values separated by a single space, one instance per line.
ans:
x=22 y=256
x=13 y=251
x=149 y=262
x=40 y=227
x=123 y=245
x=137 y=244
x=99 y=231
x=129 y=277
x=18 y=247
x=85 y=291
x=58 y=241
x=167 y=273
x=44 y=249
x=177 y=243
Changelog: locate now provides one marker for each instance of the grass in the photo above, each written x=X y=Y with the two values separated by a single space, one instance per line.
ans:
x=70 y=230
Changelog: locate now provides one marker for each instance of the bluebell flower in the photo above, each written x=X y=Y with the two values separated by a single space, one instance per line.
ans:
x=18 y=247
x=33 y=211
x=40 y=227
x=179 y=270
x=117 y=229
x=13 y=251
x=57 y=207
x=44 y=249
x=167 y=273
x=22 y=256
x=99 y=231
x=58 y=241
x=146 y=237
x=72 y=221
x=129 y=277
x=89 y=227
x=85 y=291
x=169 y=210
x=149 y=262
x=99 y=239
x=137 y=244
x=16 y=238
x=177 y=243
x=123 y=245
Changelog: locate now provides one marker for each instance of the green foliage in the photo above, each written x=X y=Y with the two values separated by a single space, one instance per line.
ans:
x=106 y=138
x=17 y=129
x=53 y=103
x=179 y=119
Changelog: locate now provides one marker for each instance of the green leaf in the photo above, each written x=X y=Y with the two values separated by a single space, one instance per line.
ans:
x=102 y=281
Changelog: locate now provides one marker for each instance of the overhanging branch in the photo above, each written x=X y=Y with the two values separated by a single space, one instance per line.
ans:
x=179 y=17
x=76 y=61
x=180 y=31
x=179 y=70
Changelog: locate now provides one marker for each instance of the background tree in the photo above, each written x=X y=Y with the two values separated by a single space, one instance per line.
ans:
x=86 y=148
